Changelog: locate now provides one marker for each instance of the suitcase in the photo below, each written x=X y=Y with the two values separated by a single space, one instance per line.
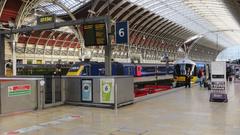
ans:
x=218 y=97
x=205 y=84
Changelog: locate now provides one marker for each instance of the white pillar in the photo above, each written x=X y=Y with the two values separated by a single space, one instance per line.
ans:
x=14 y=61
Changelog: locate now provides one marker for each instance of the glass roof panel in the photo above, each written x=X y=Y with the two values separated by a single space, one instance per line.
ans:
x=231 y=53
x=71 y=5
x=199 y=16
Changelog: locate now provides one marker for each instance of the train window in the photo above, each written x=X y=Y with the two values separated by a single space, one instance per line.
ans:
x=39 y=62
x=29 y=61
x=48 y=62
x=19 y=61
x=74 y=68
x=182 y=69
x=148 y=69
x=162 y=69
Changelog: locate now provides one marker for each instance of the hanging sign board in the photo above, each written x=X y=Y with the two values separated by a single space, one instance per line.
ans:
x=86 y=91
x=107 y=90
x=46 y=19
x=95 y=34
x=122 y=32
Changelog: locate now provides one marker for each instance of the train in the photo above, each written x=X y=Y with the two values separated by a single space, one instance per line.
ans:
x=93 y=68
x=41 y=69
x=181 y=65
x=136 y=70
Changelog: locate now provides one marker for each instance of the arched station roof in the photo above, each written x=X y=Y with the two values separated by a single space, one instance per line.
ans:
x=155 y=25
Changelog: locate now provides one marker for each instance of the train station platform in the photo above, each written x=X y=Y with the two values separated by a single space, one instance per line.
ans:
x=184 y=112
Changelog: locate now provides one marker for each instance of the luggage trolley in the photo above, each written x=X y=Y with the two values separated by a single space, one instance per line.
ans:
x=218 y=82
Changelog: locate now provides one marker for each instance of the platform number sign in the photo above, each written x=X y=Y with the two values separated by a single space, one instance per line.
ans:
x=107 y=91
x=122 y=32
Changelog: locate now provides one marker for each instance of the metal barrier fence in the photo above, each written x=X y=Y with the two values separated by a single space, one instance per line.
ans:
x=25 y=93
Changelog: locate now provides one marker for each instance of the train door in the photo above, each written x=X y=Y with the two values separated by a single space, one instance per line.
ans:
x=128 y=70
x=207 y=69
x=138 y=70
x=39 y=62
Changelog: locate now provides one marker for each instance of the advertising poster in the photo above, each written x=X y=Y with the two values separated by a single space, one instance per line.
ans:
x=19 y=90
x=86 y=90
x=107 y=90
x=218 y=75
x=218 y=85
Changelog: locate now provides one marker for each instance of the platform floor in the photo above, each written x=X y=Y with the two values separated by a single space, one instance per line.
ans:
x=185 y=112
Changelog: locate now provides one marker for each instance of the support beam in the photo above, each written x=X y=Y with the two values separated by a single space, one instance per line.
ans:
x=56 y=25
x=2 y=55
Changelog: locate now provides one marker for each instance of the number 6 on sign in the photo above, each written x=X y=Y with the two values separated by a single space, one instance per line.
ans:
x=122 y=32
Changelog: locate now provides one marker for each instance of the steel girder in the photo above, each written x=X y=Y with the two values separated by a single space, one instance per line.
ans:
x=78 y=32
x=133 y=11
x=94 y=5
x=64 y=41
x=2 y=5
x=72 y=40
x=161 y=23
x=25 y=10
x=30 y=4
x=100 y=10
x=58 y=36
x=45 y=46
x=142 y=20
x=35 y=48
x=117 y=6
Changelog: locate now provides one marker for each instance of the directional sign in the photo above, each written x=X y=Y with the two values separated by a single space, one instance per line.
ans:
x=122 y=32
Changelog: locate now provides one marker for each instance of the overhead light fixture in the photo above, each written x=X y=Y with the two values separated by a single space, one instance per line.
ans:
x=144 y=37
x=91 y=12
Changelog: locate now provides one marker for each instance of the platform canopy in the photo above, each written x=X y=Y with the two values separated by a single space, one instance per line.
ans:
x=155 y=25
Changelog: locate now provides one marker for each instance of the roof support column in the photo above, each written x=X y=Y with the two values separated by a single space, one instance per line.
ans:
x=2 y=55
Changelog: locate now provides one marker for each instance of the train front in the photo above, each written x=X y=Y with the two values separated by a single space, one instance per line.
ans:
x=181 y=67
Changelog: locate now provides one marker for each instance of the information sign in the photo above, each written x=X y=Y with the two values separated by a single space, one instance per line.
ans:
x=95 y=34
x=46 y=19
x=86 y=91
x=122 y=32
x=107 y=90
x=19 y=90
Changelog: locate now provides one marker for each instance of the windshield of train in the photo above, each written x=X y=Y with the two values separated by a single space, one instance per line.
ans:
x=75 y=67
x=180 y=69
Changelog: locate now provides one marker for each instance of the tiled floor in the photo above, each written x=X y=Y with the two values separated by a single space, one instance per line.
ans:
x=185 y=112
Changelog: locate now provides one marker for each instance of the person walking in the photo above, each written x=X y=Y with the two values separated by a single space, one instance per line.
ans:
x=188 y=78
x=201 y=76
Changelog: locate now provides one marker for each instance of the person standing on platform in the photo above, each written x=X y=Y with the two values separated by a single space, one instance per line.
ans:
x=58 y=70
x=201 y=76
x=188 y=78
x=9 y=68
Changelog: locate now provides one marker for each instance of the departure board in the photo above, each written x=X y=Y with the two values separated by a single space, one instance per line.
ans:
x=95 y=34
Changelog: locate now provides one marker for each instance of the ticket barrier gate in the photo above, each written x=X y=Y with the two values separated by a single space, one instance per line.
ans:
x=53 y=94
